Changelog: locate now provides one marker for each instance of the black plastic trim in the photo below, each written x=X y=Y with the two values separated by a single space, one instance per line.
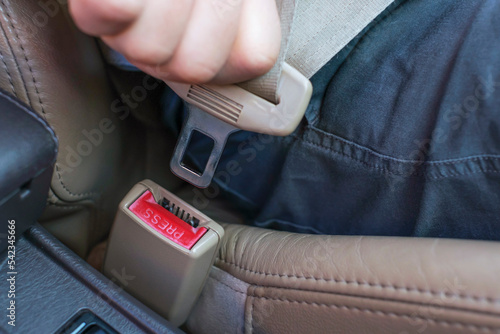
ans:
x=53 y=284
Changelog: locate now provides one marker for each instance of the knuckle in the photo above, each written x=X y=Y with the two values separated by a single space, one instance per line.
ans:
x=112 y=9
x=196 y=71
x=257 y=62
x=137 y=52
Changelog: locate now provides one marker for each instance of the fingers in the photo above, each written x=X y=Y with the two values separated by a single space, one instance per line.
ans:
x=154 y=37
x=258 y=43
x=194 y=41
x=105 y=17
x=207 y=41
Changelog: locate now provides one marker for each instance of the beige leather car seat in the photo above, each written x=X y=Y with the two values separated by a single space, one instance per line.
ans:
x=263 y=281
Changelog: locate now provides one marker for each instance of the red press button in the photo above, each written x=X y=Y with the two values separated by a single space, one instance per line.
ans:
x=165 y=222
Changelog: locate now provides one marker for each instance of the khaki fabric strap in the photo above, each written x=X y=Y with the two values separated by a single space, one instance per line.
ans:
x=313 y=32
x=266 y=86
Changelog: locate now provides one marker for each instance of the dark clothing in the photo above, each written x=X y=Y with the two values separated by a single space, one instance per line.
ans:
x=402 y=137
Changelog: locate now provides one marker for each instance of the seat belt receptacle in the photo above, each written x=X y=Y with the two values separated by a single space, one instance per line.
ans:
x=161 y=250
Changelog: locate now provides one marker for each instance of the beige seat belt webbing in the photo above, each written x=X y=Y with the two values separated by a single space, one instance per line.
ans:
x=266 y=86
x=313 y=32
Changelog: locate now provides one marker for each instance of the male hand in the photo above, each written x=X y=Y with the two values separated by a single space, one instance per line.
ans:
x=192 y=41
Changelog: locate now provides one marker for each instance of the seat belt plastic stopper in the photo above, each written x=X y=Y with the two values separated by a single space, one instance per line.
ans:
x=221 y=110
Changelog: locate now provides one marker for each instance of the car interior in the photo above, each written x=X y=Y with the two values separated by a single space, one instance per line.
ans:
x=84 y=150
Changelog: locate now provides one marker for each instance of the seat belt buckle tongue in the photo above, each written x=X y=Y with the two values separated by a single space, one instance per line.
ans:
x=225 y=109
x=161 y=250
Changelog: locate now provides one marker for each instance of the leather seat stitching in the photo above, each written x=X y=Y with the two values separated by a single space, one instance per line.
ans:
x=35 y=84
x=58 y=173
x=388 y=314
x=8 y=74
x=18 y=67
x=451 y=306
x=373 y=285
x=10 y=21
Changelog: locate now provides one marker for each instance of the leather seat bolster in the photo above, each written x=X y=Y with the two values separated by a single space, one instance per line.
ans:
x=399 y=284
x=58 y=71
x=47 y=63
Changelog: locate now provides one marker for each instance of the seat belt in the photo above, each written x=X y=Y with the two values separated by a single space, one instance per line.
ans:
x=266 y=86
x=313 y=32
